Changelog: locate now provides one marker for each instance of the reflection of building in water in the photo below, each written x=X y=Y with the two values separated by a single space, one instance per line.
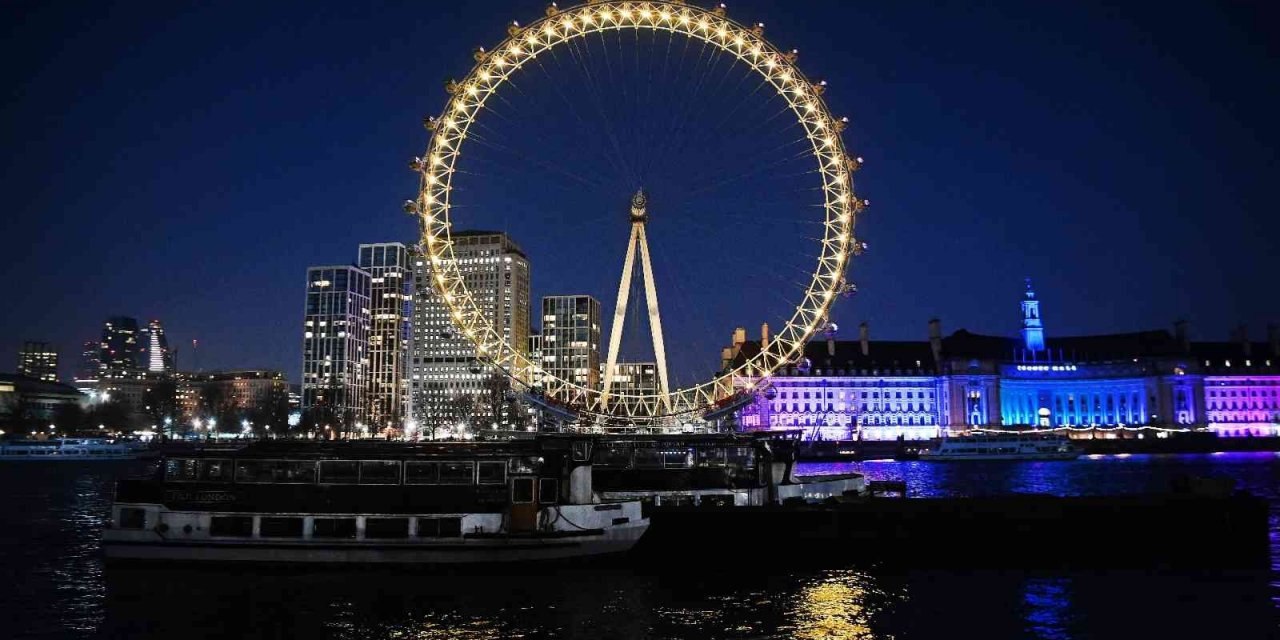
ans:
x=879 y=390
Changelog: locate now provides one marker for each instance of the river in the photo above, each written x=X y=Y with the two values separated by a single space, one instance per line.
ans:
x=55 y=585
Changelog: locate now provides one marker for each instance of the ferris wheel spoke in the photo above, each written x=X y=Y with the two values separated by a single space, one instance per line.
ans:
x=548 y=168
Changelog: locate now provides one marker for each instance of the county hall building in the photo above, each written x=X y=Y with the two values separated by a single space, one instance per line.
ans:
x=884 y=390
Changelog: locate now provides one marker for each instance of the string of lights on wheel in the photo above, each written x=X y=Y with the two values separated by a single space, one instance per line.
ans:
x=747 y=44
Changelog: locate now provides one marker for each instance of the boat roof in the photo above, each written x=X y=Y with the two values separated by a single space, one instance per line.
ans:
x=376 y=449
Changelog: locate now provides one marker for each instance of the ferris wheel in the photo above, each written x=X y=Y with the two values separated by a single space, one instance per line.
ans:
x=774 y=67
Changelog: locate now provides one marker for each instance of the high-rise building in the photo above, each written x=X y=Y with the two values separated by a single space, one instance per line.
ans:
x=86 y=377
x=390 y=300
x=156 y=355
x=120 y=352
x=335 y=344
x=38 y=360
x=90 y=361
x=633 y=378
x=535 y=356
x=444 y=388
x=571 y=340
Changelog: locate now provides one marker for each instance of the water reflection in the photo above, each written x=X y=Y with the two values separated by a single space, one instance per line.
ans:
x=835 y=606
x=1047 y=607
x=56 y=586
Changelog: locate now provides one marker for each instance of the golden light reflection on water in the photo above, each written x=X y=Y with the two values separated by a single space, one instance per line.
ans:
x=835 y=607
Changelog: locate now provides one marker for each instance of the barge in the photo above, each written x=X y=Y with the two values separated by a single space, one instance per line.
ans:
x=372 y=503
x=716 y=470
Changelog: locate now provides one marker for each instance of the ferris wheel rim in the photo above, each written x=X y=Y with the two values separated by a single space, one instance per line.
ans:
x=712 y=26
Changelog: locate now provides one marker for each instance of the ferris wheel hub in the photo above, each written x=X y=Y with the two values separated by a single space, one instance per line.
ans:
x=639 y=211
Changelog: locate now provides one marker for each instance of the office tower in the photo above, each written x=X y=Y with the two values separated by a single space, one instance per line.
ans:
x=86 y=377
x=38 y=360
x=444 y=389
x=156 y=355
x=390 y=301
x=571 y=340
x=335 y=345
x=120 y=353
x=634 y=378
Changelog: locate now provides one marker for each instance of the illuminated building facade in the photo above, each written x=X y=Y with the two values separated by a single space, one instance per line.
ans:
x=447 y=386
x=86 y=377
x=39 y=361
x=878 y=390
x=242 y=391
x=390 y=298
x=634 y=377
x=571 y=339
x=120 y=353
x=335 y=344
x=1242 y=384
x=154 y=347
x=846 y=390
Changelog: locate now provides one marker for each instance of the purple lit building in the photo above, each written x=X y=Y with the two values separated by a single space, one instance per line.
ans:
x=880 y=390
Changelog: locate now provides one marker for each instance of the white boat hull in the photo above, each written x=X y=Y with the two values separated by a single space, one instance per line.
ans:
x=150 y=546
x=1070 y=455
x=566 y=531
x=65 y=457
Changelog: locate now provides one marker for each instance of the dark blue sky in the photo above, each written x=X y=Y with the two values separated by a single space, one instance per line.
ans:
x=188 y=163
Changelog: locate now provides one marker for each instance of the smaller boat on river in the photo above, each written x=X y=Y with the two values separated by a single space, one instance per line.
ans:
x=69 y=449
x=1002 y=447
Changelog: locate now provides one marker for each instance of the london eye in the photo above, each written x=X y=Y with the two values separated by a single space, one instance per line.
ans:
x=570 y=32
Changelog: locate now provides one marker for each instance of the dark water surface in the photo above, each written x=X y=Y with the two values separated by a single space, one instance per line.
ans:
x=54 y=584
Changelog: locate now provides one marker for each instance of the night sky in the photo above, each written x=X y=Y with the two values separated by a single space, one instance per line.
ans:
x=189 y=163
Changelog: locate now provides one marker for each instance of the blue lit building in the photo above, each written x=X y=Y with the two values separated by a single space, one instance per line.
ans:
x=877 y=390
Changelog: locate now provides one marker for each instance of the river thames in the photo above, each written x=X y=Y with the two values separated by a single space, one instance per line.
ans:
x=56 y=587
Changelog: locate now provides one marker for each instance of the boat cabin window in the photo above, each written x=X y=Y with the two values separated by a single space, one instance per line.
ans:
x=131 y=518
x=527 y=464
x=339 y=472
x=522 y=490
x=181 y=470
x=280 y=527
x=581 y=451
x=275 y=471
x=231 y=526
x=380 y=472
x=421 y=472
x=334 y=528
x=742 y=457
x=216 y=470
x=548 y=490
x=439 y=527
x=386 y=528
x=491 y=472
x=648 y=458
x=710 y=456
x=613 y=455
x=681 y=458
x=457 y=472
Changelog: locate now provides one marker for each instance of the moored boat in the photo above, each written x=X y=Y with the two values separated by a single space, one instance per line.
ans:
x=1002 y=447
x=68 y=449
x=722 y=470
x=362 y=502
